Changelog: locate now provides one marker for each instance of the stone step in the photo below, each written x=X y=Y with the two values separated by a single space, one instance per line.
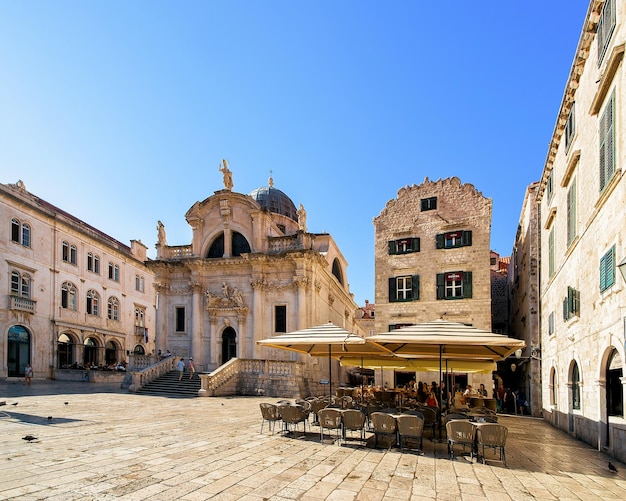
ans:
x=169 y=385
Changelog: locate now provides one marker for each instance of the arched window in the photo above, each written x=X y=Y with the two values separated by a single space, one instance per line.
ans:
x=575 y=387
x=139 y=283
x=240 y=244
x=217 y=247
x=114 y=272
x=337 y=271
x=20 y=232
x=113 y=309
x=614 y=391
x=138 y=350
x=93 y=303
x=20 y=284
x=93 y=263
x=68 y=296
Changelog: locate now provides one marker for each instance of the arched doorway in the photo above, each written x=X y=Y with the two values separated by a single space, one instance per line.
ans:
x=110 y=353
x=138 y=350
x=18 y=353
x=574 y=397
x=614 y=388
x=65 y=352
x=90 y=353
x=229 y=344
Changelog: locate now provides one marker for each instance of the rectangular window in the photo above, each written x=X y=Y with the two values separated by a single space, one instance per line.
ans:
x=570 y=128
x=114 y=272
x=607 y=143
x=73 y=254
x=429 y=203
x=454 y=239
x=551 y=253
x=65 y=252
x=280 y=318
x=551 y=323
x=606 y=26
x=15 y=283
x=180 y=319
x=404 y=245
x=25 y=235
x=571 y=212
x=550 y=186
x=405 y=288
x=89 y=261
x=454 y=285
x=607 y=270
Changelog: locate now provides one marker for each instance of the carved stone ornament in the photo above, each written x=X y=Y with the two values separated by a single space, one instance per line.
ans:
x=231 y=298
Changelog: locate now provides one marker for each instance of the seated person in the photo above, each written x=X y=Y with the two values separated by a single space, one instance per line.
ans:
x=469 y=393
x=482 y=391
x=431 y=401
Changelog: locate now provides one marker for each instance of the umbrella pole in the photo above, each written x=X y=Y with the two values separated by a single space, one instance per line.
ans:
x=440 y=395
x=362 y=384
x=330 y=377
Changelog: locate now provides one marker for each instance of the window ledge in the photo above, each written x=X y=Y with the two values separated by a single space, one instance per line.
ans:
x=607 y=78
x=550 y=218
x=608 y=189
x=570 y=168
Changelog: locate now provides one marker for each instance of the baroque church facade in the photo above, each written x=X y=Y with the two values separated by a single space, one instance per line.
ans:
x=251 y=271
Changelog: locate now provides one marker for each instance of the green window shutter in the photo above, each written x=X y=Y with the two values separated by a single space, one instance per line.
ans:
x=607 y=270
x=466 y=238
x=415 y=287
x=441 y=241
x=415 y=244
x=551 y=253
x=565 y=309
x=571 y=212
x=393 y=293
x=392 y=247
x=441 y=286
x=607 y=144
x=576 y=301
x=467 y=284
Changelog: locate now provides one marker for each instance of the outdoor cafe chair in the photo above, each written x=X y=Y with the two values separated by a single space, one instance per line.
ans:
x=410 y=426
x=492 y=435
x=453 y=416
x=269 y=413
x=460 y=431
x=353 y=420
x=383 y=424
x=430 y=420
x=329 y=419
x=293 y=415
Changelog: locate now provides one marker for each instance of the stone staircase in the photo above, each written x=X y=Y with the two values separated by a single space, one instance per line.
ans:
x=168 y=385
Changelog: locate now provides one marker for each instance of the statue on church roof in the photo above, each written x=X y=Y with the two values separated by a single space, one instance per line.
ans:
x=161 y=233
x=228 y=175
x=301 y=213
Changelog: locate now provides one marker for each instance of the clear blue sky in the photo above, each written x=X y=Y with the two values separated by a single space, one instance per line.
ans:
x=120 y=112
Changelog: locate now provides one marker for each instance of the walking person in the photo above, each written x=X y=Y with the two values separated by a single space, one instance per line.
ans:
x=181 y=368
x=191 y=367
x=28 y=374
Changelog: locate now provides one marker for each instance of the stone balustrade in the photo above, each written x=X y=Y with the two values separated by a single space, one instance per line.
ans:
x=142 y=377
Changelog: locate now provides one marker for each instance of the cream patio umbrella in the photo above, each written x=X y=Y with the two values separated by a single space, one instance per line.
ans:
x=323 y=340
x=420 y=364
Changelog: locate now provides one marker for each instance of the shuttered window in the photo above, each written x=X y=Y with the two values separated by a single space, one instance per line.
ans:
x=404 y=245
x=454 y=239
x=571 y=212
x=551 y=253
x=454 y=285
x=606 y=26
x=607 y=270
x=607 y=143
x=406 y=288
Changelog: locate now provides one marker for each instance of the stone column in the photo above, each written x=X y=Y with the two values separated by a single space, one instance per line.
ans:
x=214 y=355
x=161 y=325
x=197 y=314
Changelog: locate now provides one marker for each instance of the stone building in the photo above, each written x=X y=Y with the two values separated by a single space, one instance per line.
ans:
x=523 y=285
x=499 y=293
x=583 y=208
x=251 y=271
x=432 y=257
x=73 y=295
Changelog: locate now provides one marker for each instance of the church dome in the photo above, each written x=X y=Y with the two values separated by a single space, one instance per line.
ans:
x=275 y=201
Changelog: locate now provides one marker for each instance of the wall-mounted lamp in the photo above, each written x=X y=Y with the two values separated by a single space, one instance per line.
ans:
x=622 y=268
x=518 y=353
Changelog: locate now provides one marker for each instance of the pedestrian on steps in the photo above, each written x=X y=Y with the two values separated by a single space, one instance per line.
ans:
x=181 y=368
x=191 y=367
